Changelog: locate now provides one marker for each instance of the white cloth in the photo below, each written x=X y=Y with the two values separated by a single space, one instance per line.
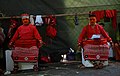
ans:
x=38 y=21
x=110 y=51
x=86 y=63
x=95 y=36
x=9 y=61
x=31 y=19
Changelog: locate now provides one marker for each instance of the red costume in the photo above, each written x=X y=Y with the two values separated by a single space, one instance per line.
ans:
x=26 y=40
x=26 y=36
x=88 y=31
x=93 y=40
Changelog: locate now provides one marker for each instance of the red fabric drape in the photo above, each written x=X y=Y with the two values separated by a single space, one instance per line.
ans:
x=99 y=14
x=113 y=15
x=51 y=30
x=108 y=13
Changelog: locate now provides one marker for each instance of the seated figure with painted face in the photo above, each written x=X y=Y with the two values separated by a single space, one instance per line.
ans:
x=26 y=42
x=26 y=35
x=92 y=43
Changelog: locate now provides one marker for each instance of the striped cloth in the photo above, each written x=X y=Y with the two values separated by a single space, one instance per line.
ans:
x=25 y=54
x=96 y=52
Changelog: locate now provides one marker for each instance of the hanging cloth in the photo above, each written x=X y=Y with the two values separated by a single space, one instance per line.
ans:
x=31 y=19
x=51 y=30
x=112 y=14
x=38 y=21
x=99 y=14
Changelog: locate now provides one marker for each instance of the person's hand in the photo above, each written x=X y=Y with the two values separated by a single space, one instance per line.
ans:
x=41 y=43
x=79 y=47
x=79 y=44
x=10 y=45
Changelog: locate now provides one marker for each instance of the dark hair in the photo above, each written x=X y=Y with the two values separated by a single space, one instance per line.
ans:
x=102 y=24
x=92 y=15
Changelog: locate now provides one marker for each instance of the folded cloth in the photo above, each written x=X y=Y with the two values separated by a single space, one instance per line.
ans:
x=38 y=21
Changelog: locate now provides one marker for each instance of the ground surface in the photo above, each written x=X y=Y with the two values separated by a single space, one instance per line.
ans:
x=72 y=69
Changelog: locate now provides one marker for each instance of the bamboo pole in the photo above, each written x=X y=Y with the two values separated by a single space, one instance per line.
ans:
x=53 y=15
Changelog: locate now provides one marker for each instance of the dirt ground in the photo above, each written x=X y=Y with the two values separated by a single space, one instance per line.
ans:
x=72 y=69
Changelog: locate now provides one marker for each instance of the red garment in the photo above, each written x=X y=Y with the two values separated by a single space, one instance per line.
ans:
x=109 y=13
x=88 y=31
x=99 y=14
x=96 y=52
x=27 y=35
x=50 y=20
x=51 y=31
x=95 y=42
x=112 y=14
x=25 y=54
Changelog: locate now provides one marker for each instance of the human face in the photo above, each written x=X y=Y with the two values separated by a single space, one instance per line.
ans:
x=93 y=20
x=25 y=21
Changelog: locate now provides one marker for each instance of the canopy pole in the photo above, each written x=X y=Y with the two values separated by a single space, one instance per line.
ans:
x=53 y=15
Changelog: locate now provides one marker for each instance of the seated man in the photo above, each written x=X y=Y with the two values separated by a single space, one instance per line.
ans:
x=26 y=41
x=26 y=35
x=92 y=31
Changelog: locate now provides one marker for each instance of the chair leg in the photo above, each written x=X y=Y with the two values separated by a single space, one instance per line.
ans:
x=35 y=67
x=16 y=67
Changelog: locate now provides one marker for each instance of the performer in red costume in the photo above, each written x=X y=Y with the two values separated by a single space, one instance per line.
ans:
x=27 y=42
x=26 y=35
x=86 y=40
x=92 y=28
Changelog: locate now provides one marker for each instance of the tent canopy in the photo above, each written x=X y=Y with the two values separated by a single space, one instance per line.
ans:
x=15 y=7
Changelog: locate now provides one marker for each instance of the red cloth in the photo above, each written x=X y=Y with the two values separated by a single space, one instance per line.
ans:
x=26 y=43
x=112 y=14
x=51 y=31
x=45 y=59
x=50 y=20
x=99 y=14
x=109 y=13
x=95 y=42
x=26 y=35
x=96 y=52
x=88 y=31
x=25 y=54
